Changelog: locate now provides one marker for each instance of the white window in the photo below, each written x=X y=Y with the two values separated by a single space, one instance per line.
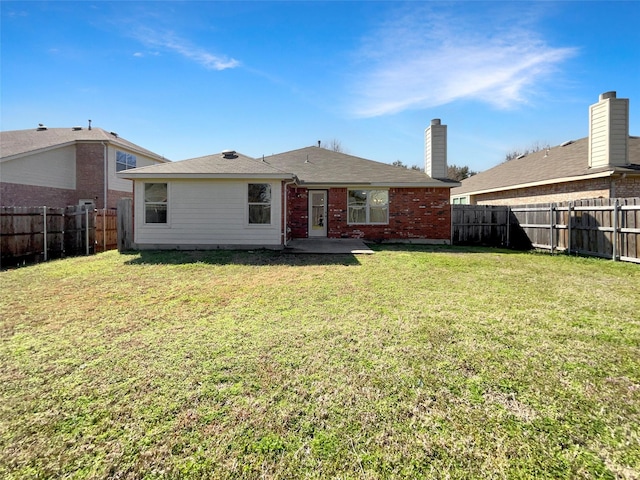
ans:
x=368 y=206
x=155 y=202
x=259 y=201
x=124 y=161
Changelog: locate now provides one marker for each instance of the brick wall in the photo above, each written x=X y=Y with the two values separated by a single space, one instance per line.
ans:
x=18 y=195
x=414 y=214
x=90 y=172
x=626 y=187
x=560 y=192
x=298 y=212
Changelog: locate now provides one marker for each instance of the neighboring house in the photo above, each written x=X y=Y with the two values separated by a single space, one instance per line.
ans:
x=231 y=200
x=58 y=167
x=606 y=164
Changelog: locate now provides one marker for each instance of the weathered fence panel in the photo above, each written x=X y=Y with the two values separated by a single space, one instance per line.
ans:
x=125 y=224
x=35 y=234
x=106 y=229
x=608 y=228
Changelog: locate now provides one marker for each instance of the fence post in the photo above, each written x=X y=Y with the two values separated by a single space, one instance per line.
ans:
x=44 y=233
x=569 y=222
x=616 y=207
x=551 y=226
x=86 y=230
x=508 y=226
x=125 y=224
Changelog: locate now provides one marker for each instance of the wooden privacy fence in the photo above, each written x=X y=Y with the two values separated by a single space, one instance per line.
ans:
x=608 y=228
x=35 y=234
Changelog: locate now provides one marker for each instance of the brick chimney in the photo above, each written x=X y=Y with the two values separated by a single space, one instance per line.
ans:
x=435 y=149
x=609 y=131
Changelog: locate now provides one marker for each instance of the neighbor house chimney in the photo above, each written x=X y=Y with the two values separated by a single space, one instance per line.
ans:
x=609 y=131
x=435 y=150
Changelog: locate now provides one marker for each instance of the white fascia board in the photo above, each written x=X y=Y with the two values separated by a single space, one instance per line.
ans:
x=540 y=183
x=203 y=176
x=433 y=184
x=376 y=184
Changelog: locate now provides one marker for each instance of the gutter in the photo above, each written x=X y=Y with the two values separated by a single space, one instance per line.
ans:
x=539 y=183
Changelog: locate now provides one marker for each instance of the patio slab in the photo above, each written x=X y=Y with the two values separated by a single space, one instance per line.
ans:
x=328 y=245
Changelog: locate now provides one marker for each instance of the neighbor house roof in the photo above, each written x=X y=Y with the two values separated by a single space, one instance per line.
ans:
x=21 y=142
x=567 y=162
x=319 y=166
x=219 y=165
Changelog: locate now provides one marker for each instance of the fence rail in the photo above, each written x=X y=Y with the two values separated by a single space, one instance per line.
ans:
x=35 y=234
x=608 y=228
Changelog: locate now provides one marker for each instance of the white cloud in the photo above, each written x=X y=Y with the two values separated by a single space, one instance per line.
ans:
x=201 y=56
x=427 y=58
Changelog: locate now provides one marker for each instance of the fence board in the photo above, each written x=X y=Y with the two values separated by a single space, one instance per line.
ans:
x=599 y=227
x=25 y=238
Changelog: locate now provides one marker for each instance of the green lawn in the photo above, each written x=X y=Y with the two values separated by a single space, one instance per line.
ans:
x=414 y=362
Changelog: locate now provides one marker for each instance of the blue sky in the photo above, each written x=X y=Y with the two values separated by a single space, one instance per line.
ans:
x=186 y=79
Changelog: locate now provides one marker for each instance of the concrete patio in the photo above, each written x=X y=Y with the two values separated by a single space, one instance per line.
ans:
x=328 y=245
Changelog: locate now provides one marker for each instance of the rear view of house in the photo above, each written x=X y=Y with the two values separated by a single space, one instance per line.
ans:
x=231 y=200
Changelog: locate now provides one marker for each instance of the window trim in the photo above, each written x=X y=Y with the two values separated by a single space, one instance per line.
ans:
x=269 y=204
x=144 y=205
x=367 y=207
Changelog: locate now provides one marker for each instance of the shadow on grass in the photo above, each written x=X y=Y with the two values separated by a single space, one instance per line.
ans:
x=238 y=257
x=453 y=249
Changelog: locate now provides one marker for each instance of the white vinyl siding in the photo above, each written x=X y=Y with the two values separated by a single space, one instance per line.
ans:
x=609 y=127
x=208 y=212
x=54 y=168
x=121 y=184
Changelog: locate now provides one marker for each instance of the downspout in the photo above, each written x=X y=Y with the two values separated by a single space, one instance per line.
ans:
x=106 y=193
x=285 y=226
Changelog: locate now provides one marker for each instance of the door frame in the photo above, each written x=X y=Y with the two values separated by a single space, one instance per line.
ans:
x=317 y=232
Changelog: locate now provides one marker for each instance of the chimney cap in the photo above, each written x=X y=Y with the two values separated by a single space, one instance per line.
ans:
x=605 y=95
x=435 y=121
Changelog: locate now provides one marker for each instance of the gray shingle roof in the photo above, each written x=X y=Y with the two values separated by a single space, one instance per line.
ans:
x=209 y=166
x=18 y=142
x=319 y=166
x=544 y=166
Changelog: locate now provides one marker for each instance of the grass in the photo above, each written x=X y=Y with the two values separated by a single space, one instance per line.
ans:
x=414 y=362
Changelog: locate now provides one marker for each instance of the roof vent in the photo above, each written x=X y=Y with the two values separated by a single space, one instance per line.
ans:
x=41 y=127
x=75 y=129
x=522 y=155
x=114 y=134
x=568 y=142
x=229 y=154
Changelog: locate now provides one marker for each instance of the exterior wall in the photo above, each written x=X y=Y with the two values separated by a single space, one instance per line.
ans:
x=609 y=132
x=298 y=212
x=415 y=214
x=560 y=192
x=90 y=172
x=54 y=168
x=122 y=184
x=206 y=214
x=63 y=176
x=19 y=195
x=626 y=187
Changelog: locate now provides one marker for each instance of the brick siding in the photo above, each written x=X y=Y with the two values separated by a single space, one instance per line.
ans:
x=18 y=195
x=626 y=187
x=414 y=214
x=559 y=192
x=90 y=172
